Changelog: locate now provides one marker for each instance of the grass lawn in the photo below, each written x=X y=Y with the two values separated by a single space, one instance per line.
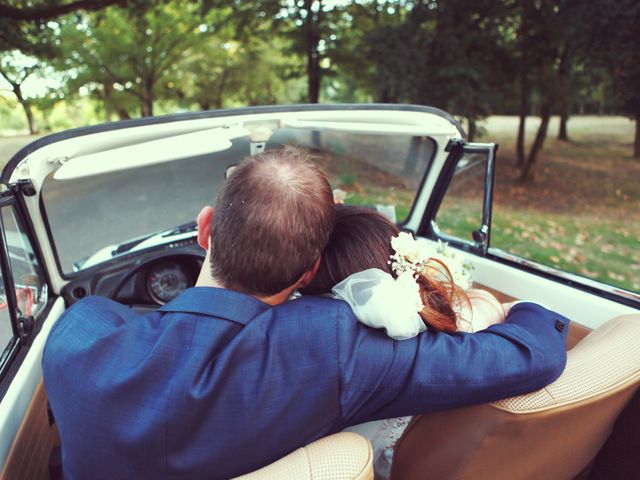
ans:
x=597 y=248
x=581 y=214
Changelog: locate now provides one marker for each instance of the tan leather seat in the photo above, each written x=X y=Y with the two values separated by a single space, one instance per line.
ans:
x=343 y=456
x=553 y=433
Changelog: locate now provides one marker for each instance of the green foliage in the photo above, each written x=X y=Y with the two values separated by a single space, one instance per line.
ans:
x=470 y=58
x=617 y=23
x=31 y=38
x=10 y=115
x=126 y=56
x=371 y=51
x=223 y=72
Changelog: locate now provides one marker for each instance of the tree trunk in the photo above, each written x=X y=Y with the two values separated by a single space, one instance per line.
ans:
x=636 y=143
x=27 y=109
x=523 y=33
x=473 y=129
x=520 y=141
x=220 y=90
x=524 y=111
x=384 y=95
x=108 y=112
x=562 y=131
x=107 y=101
x=565 y=90
x=313 y=56
x=147 y=107
x=147 y=97
x=122 y=113
x=528 y=170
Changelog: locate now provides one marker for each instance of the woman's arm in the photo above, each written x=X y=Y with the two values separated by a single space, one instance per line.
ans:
x=482 y=311
x=382 y=378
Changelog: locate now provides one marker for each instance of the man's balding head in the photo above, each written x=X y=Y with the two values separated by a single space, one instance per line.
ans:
x=272 y=220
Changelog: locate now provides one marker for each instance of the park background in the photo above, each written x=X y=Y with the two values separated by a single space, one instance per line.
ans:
x=555 y=82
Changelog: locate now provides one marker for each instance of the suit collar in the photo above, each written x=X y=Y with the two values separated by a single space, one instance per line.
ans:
x=217 y=302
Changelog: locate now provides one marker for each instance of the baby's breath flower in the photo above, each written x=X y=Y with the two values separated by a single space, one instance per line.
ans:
x=417 y=258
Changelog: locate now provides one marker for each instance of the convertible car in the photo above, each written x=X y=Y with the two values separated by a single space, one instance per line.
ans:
x=108 y=210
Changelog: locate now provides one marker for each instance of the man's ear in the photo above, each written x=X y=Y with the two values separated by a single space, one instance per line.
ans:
x=309 y=275
x=204 y=226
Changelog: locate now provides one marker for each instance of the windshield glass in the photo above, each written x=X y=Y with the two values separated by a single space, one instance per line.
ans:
x=103 y=211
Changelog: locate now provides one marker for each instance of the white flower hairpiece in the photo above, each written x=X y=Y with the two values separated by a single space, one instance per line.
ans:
x=418 y=258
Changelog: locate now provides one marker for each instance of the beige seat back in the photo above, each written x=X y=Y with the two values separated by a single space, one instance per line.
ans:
x=553 y=433
x=343 y=456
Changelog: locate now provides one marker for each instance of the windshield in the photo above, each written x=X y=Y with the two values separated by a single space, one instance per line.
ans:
x=90 y=213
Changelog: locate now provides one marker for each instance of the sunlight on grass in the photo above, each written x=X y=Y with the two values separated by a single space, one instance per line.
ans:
x=596 y=248
x=581 y=215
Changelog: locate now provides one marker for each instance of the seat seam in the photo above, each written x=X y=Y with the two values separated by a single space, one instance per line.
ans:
x=306 y=454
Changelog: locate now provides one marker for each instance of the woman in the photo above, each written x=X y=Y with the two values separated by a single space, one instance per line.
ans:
x=392 y=281
x=364 y=239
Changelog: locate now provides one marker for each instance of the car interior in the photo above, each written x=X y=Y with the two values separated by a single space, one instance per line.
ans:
x=69 y=243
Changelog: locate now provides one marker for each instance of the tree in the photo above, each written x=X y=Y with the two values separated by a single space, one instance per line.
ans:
x=131 y=52
x=205 y=73
x=614 y=25
x=39 y=11
x=544 y=52
x=223 y=71
x=308 y=24
x=461 y=58
x=16 y=68
x=371 y=51
x=25 y=26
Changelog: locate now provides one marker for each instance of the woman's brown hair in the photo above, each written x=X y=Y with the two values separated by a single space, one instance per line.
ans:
x=361 y=239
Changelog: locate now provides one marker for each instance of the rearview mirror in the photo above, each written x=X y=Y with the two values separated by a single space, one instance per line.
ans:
x=229 y=171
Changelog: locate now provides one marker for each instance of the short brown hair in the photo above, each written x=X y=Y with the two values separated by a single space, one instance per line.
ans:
x=271 y=221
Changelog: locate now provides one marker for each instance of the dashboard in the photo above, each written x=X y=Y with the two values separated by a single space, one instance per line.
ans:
x=143 y=280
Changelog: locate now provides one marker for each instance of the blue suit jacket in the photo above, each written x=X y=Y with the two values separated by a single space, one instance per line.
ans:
x=216 y=383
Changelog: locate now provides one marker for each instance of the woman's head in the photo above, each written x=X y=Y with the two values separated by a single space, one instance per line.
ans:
x=361 y=239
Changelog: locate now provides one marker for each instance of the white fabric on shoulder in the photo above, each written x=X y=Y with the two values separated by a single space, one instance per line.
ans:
x=380 y=301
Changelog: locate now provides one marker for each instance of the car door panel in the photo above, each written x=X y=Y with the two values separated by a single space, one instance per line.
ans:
x=34 y=442
x=23 y=388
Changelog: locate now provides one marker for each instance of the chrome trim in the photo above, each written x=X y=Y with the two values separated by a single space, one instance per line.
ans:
x=489 y=150
x=460 y=243
x=571 y=277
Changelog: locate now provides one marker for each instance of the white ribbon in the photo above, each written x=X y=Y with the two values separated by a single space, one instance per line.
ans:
x=380 y=301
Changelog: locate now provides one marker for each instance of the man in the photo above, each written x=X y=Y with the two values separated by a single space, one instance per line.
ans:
x=230 y=376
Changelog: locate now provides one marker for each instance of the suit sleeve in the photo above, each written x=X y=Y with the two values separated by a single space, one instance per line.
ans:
x=384 y=378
